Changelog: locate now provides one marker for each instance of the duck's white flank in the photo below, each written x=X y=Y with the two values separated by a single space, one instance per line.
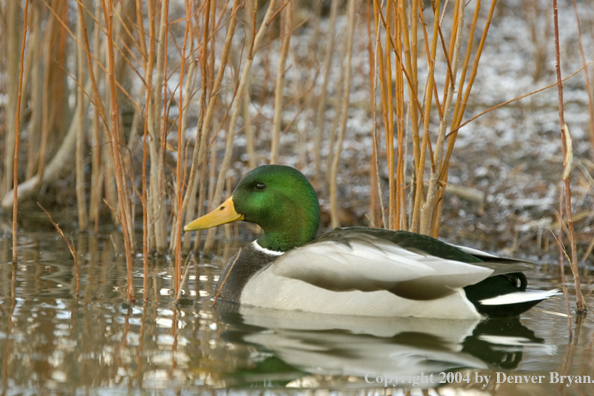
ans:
x=520 y=297
x=266 y=251
x=268 y=290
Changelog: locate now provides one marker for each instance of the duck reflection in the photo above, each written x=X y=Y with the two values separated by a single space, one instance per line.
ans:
x=407 y=351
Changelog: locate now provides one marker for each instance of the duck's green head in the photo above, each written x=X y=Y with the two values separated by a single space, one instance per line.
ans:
x=277 y=198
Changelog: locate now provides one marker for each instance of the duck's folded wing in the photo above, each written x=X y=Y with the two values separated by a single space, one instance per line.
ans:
x=499 y=265
x=370 y=264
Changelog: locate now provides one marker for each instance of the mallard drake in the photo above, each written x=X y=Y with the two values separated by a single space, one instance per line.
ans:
x=355 y=270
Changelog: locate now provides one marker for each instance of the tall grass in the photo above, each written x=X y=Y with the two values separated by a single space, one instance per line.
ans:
x=153 y=108
x=582 y=308
x=17 y=133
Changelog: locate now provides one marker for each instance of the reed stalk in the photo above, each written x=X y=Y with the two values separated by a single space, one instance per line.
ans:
x=351 y=5
x=17 y=133
x=379 y=65
x=417 y=223
x=249 y=21
x=286 y=24
x=410 y=57
x=115 y=148
x=401 y=45
x=96 y=171
x=161 y=197
x=156 y=129
x=582 y=308
x=389 y=130
x=180 y=157
x=375 y=204
x=46 y=115
x=11 y=47
x=148 y=89
x=562 y=253
x=80 y=134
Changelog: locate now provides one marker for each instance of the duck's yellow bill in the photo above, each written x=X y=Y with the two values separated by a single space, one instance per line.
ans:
x=225 y=213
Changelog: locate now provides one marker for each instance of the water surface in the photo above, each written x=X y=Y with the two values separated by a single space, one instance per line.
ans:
x=66 y=334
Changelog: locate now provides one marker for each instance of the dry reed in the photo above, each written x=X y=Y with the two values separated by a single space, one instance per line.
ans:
x=582 y=308
x=17 y=140
x=116 y=150
x=343 y=112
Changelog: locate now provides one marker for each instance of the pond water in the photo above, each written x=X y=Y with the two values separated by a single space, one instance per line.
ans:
x=63 y=336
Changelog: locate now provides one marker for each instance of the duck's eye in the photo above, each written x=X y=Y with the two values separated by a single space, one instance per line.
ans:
x=260 y=186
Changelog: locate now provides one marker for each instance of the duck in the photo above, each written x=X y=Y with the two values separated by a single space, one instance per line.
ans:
x=357 y=271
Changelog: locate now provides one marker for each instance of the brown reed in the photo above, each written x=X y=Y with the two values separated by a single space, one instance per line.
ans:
x=17 y=140
x=582 y=308
x=116 y=151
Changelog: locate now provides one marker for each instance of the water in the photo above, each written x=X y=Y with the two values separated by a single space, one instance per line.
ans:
x=54 y=340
